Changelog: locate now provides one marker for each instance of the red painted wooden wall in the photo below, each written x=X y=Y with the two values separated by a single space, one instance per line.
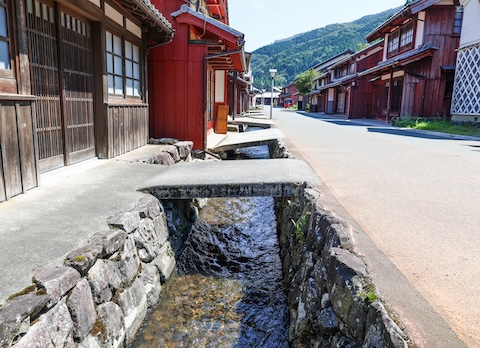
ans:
x=175 y=73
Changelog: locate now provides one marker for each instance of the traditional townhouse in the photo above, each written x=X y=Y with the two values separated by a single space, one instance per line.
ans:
x=415 y=77
x=188 y=77
x=72 y=83
x=361 y=89
x=240 y=89
x=320 y=99
x=466 y=91
x=288 y=95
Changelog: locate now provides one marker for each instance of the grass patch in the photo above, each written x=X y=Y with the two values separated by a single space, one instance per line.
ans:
x=443 y=126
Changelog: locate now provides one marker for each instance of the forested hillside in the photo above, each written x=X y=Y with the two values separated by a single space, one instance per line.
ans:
x=299 y=53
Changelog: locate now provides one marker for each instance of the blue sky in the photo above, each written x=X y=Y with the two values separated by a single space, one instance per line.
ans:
x=264 y=21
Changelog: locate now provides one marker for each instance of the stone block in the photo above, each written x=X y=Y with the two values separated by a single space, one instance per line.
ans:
x=165 y=141
x=148 y=207
x=346 y=273
x=184 y=149
x=172 y=150
x=111 y=241
x=146 y=240
x=133 y=302
x=161 y=228
x=326 y=322
x=165 y=262
x=163 y=158
x=56 y=281
x=312 y=295
x=127 y=221
x=16 y=315
x=53 y=329
x=82 y=310
x=381 y=329
x=89 y=342
x=103 y=277
x=83 y=258
x=151 y=280
x=127 y=261
x=110 y=331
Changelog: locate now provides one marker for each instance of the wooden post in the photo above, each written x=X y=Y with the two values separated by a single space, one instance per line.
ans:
x=389 y=100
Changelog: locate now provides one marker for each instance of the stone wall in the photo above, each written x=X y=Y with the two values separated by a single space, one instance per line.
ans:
x=100 y=296
x=331 y=299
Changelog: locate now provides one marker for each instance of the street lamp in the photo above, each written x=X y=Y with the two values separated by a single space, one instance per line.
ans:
x=272 y=74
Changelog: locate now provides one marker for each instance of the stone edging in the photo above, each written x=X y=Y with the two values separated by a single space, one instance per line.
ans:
x=101 y=295
x=331 y=298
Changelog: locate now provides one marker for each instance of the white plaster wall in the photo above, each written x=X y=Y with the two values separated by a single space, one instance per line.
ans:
x=219 y=86
x=471 y=23
x=420 y=29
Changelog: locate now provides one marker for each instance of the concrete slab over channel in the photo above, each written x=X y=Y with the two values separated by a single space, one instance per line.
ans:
x=252 y=122
x=248 y=178
x=247 y=139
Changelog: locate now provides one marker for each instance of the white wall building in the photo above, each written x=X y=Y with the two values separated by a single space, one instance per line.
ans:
x=466 y=94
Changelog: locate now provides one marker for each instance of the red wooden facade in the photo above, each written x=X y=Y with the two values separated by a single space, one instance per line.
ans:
x=71 y=84
x=362 y=91
x=188 y=78
x=415 y=78
x=289 y=92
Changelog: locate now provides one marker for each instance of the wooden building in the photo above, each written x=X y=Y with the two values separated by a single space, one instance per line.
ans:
x=72 y=83
x=240 y=91
x=188 y=78
x=289 y=95
x=320 y=99
x=466 y=91
x=415 y=76
x=362 y=91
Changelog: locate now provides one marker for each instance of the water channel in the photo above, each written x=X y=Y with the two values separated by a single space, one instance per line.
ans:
x=228 y=291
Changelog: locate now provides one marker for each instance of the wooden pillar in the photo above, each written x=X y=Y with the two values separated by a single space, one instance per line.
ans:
x=389 y=100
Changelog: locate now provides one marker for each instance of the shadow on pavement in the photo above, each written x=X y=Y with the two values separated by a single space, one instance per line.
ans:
x=417 y=134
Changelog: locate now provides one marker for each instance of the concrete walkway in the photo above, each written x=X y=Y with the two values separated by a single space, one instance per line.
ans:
x=39 y=228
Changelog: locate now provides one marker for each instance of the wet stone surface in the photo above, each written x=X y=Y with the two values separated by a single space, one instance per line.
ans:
x=229 y=290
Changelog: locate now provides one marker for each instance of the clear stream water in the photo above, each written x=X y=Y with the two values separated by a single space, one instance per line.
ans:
x=229 y=289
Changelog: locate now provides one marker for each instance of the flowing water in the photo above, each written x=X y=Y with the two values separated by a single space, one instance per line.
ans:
x=228 y=291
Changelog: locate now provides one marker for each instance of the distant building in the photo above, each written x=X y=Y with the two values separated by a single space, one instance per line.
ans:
x=466 y=92
x=320 y=99
x=289 y=95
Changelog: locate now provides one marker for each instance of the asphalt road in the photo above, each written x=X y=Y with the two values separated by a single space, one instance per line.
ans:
x=416 y=196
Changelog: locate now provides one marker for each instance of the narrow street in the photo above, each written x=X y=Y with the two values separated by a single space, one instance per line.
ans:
x=416 y=196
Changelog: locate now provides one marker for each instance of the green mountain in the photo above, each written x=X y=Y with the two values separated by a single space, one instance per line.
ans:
x=297 y=54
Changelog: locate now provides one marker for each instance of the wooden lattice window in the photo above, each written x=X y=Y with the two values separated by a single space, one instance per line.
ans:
x=406 y=35
x=401 y=39
x=393 y=42
x=4 y=37
x=123 y=66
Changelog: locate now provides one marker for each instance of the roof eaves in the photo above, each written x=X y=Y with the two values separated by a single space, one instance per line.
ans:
x=156 y=16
